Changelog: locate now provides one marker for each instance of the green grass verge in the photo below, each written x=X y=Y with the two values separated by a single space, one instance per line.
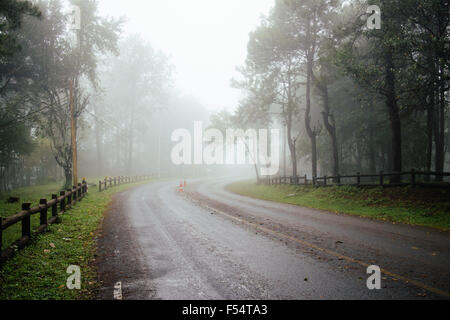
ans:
x=39 y=271
x=414 y=206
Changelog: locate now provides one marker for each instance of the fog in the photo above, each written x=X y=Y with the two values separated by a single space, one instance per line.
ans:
x=344 y=93
x=205 y=39
x=204 y=42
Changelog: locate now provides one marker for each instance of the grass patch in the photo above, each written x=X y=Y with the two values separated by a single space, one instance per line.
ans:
x=409 y=205
x=39 y=271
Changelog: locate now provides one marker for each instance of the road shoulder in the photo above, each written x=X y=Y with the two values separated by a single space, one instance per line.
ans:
x=120 y=257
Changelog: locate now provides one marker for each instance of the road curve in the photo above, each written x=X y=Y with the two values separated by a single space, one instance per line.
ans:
x=208 y=243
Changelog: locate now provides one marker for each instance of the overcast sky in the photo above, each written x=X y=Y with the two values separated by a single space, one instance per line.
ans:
x=206 y=39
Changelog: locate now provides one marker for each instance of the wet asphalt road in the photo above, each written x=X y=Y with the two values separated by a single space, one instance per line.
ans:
x=208 y=243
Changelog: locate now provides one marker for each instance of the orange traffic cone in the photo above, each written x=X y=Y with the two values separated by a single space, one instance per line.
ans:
x=181 y=187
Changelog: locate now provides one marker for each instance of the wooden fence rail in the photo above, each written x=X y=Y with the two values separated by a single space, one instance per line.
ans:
x=117 y=181
x=66 y=200
x=412 y=177
x=57 y=205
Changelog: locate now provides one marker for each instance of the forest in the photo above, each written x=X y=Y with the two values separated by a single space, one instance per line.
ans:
x=348 y=97
x=119 y=82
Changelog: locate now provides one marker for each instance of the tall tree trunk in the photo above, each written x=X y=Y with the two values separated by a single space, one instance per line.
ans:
x=430 y=122
x=98 y=144
x=331 y=127
x=131 y=143
x=372 y=161
x=314 y=154
x=440 y=132
x=394 y=116
x=372 y=149
x=130 y=153
x=68 y=176
x=292 y=147
x=311 y=133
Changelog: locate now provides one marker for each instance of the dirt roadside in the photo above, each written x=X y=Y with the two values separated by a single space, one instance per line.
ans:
x=119 y=255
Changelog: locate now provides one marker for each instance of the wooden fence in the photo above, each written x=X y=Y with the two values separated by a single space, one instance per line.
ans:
x=412 y=177
x=58 y=204
x=116 y=181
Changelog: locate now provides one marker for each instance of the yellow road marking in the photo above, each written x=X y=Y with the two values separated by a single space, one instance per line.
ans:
x=334 y=253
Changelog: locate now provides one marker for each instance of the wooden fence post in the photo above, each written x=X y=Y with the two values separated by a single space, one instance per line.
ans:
x=69 y=197
x=79 y=191
x=325 y=180
x=381 y=178
x=99 y=186
x=339 y=179
x=63 y=201
x=358 y=178
x=413 y=177
x=55 y=206
x=43 y=214
x=26 y=222
x=314 y=181
x=306 y=179
x=74 y=192
x=106 y=184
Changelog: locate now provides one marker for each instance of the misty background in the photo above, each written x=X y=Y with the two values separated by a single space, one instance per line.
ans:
x=347 y=99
